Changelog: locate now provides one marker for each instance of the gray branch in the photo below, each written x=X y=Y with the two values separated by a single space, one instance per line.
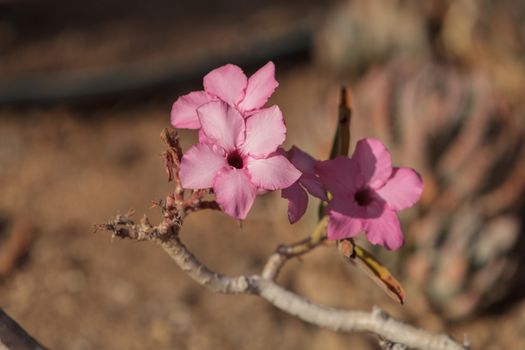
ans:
x=392 y=332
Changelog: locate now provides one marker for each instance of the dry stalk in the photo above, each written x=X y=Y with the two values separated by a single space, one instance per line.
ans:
x=391 y=332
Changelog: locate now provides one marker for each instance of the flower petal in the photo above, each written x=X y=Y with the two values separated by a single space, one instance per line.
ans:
x=385 y=230
x=227 y=83
x=341 y=226
x=222 y=124
x=234 y=192
x=203 y=138
x=313 y=186
x=200 y=165
x=340 y=175
x=184 y=110
x=265 y=131
x=403 y=189
x=374 y=161
x=272 y=173
x=261 y=86
x=297 y=201
x=302 y=160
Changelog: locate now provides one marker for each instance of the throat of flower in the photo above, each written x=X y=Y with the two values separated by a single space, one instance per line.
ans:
x=363 y=197
x=235 y=159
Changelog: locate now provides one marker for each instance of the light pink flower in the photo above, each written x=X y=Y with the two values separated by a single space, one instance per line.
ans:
x=229 y=84
x=239 y=159
x=296 y=194
x=367 y=193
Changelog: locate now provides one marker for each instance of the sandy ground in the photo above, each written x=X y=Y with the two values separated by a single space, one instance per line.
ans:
x=65 y=167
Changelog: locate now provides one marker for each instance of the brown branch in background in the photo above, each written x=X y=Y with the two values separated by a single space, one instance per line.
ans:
x=376 y=322
x=13 y=337
x=18 y=239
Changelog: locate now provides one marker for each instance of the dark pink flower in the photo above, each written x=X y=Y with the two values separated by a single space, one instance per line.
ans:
x=239 y=159
x=229 y=84
x=367 y=193
x=296 y=193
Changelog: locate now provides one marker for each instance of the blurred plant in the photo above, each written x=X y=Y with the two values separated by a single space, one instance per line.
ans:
x=235 y=160
x=487 y=35
x=363 y=32
x=470 y=150
x=484 y=35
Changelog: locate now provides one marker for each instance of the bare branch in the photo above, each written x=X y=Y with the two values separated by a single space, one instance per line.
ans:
x=353 y=321
x=285 y=252
x=14 y=337
x=388 y=345
x=376 y=322
x=203 y=275
x=201 y=205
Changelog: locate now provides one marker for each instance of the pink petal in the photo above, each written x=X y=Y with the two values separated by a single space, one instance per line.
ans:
x=227 y=83
x=184 y=110
x=385 y=230
x=313 y=186
x=341 y=226
x=403 y=189
x=261 y=86
x=340 y=175
x=222 y=124
x=297 y=201
x=203 y=138
x=265 y=131
x=302 y=160
x=200 y=165
x=261 y=191
x=272 y=173
x=234 y=192
x=374 y=161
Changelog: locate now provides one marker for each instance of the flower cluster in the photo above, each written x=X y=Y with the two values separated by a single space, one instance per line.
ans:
x=238 y=138
x=238 y=156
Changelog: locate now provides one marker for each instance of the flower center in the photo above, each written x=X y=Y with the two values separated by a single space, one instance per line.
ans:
x=364 y=197
x=235 y=160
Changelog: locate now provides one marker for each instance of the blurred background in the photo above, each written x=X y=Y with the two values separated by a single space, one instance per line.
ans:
x=86 y=88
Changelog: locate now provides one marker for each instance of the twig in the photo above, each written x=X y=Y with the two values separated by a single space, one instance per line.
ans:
x=376 y=322
x=284 y=252
x=14 y=337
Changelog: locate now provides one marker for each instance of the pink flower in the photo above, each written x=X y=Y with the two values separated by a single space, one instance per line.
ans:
x=229 y=84
x=239 y=159
x=296 y=194
x=367 y=193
